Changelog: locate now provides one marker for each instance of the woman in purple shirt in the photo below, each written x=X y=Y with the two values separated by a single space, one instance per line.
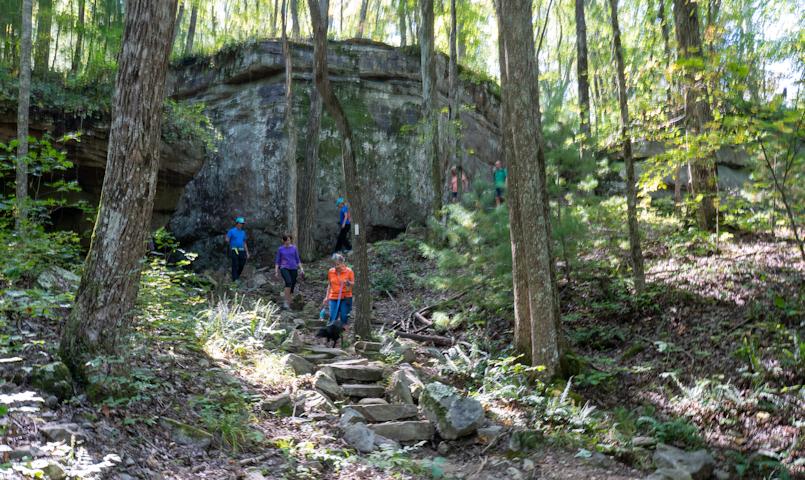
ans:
x=288 y=263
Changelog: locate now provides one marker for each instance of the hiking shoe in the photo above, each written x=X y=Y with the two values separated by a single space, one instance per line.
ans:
x=285 y=306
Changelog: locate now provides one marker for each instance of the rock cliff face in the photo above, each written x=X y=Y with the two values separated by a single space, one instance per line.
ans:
x=243 y=93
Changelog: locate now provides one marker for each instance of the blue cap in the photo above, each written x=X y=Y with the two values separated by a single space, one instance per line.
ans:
x=339 y=201
x=240 y=220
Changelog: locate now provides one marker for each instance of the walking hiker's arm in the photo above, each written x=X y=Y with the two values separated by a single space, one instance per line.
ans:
x=326 y=296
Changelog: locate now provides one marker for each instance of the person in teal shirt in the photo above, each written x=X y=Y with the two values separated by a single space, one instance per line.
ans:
x=499 y=173
x=238 y=249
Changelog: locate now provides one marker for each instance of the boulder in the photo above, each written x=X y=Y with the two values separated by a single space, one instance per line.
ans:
x=410 y=431
x=312 y=400
x=405 y=385
x=278 y=403
x=53 y=378
x=372 y=401
x=699 y=464
x=297 y=364
x=364 y=346
x=404 y=350
x=386 y=413
x=327 y=385
x=360 y=438
x=58 y=280
x=363 y=390
x=453 y=414
x=63 y=432
x=350 y=416
x=294 y=342
x=489 y=434
x=187 y=435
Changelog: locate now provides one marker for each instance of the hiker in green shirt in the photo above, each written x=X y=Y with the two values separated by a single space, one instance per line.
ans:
x=500 y=174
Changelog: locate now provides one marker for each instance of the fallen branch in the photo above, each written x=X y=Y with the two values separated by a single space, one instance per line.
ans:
x=434 y=339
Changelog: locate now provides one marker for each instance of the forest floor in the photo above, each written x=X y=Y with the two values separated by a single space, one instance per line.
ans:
x=703 y=359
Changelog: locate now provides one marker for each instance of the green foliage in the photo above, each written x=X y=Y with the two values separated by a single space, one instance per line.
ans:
x=473 y=254
x=758 y=465
x=26 y=256
x=234 y=326
x=226 y=413
x=677 y=431
x=187 y=121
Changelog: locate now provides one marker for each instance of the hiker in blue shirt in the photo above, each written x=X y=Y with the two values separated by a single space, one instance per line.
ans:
x=344 y=221
x=238 y=249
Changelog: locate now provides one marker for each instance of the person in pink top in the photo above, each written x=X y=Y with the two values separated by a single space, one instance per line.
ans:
x=465 y=183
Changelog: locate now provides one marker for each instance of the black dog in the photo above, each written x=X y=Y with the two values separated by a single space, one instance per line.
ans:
x=331 y=332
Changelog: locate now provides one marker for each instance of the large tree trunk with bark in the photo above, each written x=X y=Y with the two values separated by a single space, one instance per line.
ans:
x=363 y=299
x=631 y=194
x=44 y=22
x=290 y=126
x=362 y=18
x=430 y=109
x=522 y=315
x=178 y=24
x=697 y=111
x=79 y=40
x=295 y=33
x=104 y=304
x=525 y=151
x=454 y=107
x=23 y=107
x=307 y=179
x=582 y=73
x=402 y=22
x=191 y=31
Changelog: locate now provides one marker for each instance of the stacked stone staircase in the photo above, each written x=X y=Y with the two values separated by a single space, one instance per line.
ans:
x=359 y=384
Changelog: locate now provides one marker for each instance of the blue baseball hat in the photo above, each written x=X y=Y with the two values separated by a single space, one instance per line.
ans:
x=339 y=201
x=240 y=220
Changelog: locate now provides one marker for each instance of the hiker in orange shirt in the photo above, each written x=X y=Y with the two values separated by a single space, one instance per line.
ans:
x=340 y=280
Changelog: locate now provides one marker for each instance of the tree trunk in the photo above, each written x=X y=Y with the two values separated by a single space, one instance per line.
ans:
x=631 y=194
x=177 y=25
x=290 y=126
x=430 y=109
x=191 y=31
x=454 y=98
x=56 y=46
x=697 y=111
x=307 y=187
x=318 y=15
x=522 y=315
x=362 y=18
x=44 y=22
x=79 y=28
x=274 y=18
x=295 y=33
x=582 y=73
x=23 y=106
x=403 y=23
x=105 y=300
x=525 y=151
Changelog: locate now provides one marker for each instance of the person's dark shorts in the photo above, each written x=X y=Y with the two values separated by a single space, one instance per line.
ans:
x=454 y=195
x=499 y=192
x=289 y=276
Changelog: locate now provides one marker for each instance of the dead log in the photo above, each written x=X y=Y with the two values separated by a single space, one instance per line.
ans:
x=434 y=339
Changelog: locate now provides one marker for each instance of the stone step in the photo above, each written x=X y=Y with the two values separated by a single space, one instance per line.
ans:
x=385 y=413
x=349 y=371
x=317 y=358
x=332 y=352
x=410 y=431
x=363 y=346
x=363 y=390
